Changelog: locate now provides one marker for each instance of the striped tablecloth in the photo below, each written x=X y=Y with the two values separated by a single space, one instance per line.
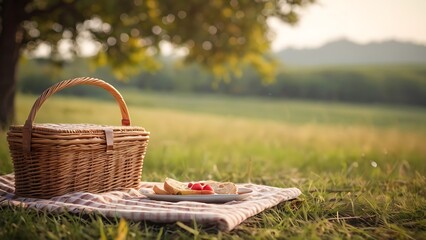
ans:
x=133 y=205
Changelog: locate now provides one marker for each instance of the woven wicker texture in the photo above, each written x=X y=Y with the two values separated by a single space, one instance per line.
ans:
x=55 y=159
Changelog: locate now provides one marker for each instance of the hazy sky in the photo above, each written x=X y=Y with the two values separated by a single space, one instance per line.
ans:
x=359 y=20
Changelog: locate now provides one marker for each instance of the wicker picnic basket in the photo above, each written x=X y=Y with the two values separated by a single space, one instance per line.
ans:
x=55 y=159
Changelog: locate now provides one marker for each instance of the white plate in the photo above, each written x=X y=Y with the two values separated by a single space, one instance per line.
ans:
x=243 y=193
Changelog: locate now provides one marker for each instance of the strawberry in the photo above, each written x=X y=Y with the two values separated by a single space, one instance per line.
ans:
x=190 y=184
x=196 y=186
x=207 y=187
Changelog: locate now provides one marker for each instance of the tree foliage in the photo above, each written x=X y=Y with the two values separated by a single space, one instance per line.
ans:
x=222 y=35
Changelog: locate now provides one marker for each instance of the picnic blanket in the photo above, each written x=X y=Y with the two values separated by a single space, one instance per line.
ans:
x=133 y=205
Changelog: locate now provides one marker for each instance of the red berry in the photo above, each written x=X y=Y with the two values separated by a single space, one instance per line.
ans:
x=207 y=187
x=190 y=184
x=196 y=186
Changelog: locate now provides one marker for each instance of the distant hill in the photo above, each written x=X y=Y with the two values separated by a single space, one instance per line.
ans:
x=344 y=52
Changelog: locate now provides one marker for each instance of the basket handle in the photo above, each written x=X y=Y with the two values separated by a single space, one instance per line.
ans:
x=27 y=129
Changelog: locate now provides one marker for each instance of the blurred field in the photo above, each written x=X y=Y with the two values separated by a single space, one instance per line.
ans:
x=328 y=150
x=211 y=133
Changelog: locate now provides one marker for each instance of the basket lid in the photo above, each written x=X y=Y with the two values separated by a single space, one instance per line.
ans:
x=75 y=128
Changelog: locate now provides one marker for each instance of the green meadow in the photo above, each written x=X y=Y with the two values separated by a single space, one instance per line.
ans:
x=361 y=168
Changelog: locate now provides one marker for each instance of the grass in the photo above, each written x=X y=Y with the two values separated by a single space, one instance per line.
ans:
x=361 y=168
x=287 y=111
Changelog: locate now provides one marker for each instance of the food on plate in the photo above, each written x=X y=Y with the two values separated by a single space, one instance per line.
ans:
x=222 y=187
x=174 y=187
x=179 y=188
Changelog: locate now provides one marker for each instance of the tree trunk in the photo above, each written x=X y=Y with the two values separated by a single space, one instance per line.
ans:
x=10 y=43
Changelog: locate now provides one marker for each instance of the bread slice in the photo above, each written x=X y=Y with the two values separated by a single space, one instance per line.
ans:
x=222 y=187
x=159 y=190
